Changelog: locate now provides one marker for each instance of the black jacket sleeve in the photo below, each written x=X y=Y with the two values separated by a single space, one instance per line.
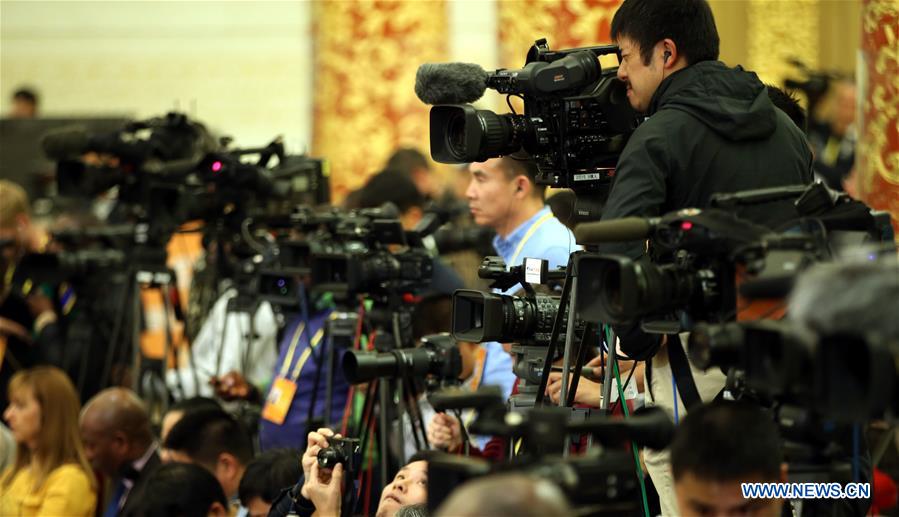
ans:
x=641 y=184
x=290 y=500
x=639 y=190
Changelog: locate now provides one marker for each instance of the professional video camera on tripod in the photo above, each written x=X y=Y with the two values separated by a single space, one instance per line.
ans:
x=576 y=117
x=600 y=482
x=165 y=171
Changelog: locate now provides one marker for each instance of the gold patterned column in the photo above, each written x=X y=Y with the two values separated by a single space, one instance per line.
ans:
x=877 y=159
x=778 y=30
x=366 y=55
x=564 y=23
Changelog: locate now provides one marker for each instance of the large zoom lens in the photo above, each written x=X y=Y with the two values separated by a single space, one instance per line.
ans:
x=479 y=317
x=615 y=289
x=445 y=363
x=463 y=134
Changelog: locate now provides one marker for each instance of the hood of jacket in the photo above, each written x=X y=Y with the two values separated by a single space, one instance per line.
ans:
x=731 y=101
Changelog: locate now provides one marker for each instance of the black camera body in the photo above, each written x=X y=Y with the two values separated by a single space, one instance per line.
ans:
x=345 y=451
x=576 y=120
x=436 y=360
x=487 y=316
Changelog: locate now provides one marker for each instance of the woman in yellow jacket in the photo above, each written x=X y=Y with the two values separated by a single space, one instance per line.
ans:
x=51 y=475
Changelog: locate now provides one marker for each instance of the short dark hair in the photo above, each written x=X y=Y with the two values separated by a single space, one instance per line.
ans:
x=27 y=95
x=412 y=510
x=194 y=403
x=406 y=160
x=205 y=433
x=423 y=455
x=789 y=104
x=689 y=23
x=727 y=441
x=521 y=164
x=180 y=490
x=390 y=186
x=268 y=474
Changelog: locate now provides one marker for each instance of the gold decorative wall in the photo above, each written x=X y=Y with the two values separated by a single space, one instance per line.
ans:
x=564 y=23
x=779 y=30
x=877 y=164
x=366 y=55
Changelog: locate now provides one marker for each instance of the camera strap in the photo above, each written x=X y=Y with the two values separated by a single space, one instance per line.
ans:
x=683 y=376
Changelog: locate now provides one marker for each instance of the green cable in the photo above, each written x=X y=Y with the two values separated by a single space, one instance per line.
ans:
x=627 y=415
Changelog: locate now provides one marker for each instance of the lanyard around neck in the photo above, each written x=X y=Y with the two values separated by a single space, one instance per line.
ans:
x=537 y=224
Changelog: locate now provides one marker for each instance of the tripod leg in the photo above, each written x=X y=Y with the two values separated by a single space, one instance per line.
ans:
x=569 y=338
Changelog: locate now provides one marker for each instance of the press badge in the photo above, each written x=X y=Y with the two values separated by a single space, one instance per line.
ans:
x=277 y=404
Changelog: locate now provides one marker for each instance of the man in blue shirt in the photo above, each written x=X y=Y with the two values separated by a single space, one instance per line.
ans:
x=503 y=195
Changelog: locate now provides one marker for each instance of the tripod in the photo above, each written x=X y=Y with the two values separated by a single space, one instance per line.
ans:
x=388 y=399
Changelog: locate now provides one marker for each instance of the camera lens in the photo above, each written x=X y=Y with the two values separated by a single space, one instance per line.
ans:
x=329 y=458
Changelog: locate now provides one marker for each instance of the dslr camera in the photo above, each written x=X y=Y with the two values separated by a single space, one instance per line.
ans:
x=340 y=450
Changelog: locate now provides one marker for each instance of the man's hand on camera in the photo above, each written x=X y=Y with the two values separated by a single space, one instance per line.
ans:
x=445 y=432
x=315 y=442
x=588 y=393
x=324 y=490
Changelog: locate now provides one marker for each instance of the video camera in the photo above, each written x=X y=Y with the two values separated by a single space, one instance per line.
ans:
x=601 y=482
x=525 y=321
x=701 y=252
x=576 y=116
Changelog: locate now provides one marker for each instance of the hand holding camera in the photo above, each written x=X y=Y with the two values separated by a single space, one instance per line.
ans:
x=445 y=432
x=315 y=442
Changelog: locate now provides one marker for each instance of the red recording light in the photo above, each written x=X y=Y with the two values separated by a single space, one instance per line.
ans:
x=686 y=226
x=216 y=166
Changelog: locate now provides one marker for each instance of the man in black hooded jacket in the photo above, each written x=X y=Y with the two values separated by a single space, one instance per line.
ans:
x=710 y=129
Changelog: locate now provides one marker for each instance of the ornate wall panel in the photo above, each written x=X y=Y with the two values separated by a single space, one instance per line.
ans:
x=366 y=55
x=565 y=24
x=877 y=165
x=778 y=30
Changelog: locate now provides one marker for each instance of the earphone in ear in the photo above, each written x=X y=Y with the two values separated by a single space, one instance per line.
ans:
x=667 y=55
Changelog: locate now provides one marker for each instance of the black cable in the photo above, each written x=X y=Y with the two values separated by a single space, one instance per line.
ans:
x=466 y=439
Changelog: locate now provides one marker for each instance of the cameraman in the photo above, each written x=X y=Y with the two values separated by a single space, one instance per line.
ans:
x=710 y=129
x=320 y=493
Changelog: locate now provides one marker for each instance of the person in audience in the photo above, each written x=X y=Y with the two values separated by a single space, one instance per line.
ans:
x=833 y=134
x=717 y=447
x=413 y=510
x=180 y=490
x=177 y=410
x=29 y=328
x=51 y=475
x=265 y=477
x=321 y=491
x=7 y=447
x=506 y=494
x=118 y=442
x=24 y=103
x=217 y=442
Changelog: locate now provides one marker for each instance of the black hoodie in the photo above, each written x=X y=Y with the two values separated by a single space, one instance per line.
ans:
x=711 y=129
